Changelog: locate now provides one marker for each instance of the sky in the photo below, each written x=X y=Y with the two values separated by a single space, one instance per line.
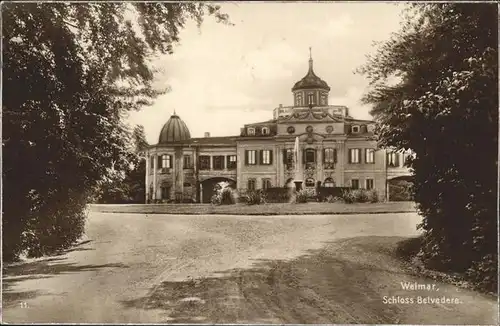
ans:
x=222 y=77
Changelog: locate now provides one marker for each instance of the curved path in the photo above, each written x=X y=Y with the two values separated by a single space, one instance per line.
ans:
x=135 y=268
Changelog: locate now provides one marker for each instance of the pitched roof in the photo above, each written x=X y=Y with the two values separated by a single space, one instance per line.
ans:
x=261 y=123
x=226 y=140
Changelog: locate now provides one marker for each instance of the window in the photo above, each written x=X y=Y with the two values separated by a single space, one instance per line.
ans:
x=265 y=130
x=218 y=162
x=266 y=157
x=310 y=98
x=166 y=161
x=251 y=157
x=187 y=184
x=266 y=183
x=152 y=163
x=329 y=157
x=369 y=155
x=231 y=162
x=354 y=183
x=187 y=162
x=323 y=99
x=288 y=158
x=204 y=162
x=310 y=182
x=329 y=183
x=251 y=131
x=251 y=184
x=354 y=155
x=165 y=192
x=369 y=184
x=393 y=159
x=355 y=129
x=310 y=155
x=299 y=100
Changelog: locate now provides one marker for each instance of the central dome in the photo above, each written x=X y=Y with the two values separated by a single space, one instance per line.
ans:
x=174 y=130
x=310 y=80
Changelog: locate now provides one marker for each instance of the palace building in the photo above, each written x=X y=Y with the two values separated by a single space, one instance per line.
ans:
x=335 y=149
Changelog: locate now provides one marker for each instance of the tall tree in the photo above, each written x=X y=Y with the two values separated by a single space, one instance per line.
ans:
x=445 y=109
x=71 y=71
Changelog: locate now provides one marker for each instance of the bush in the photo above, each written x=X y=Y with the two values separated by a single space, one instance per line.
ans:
x=348 y=196
x=373 y=196
x=254 y=197
x=302 y=196
x=278 y=195
x=333 y=199
x=324 y=192
x=400 y=190
x=359 y=196
x=224 y=194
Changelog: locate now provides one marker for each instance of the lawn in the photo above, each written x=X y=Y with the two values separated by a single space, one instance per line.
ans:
x=265 y=209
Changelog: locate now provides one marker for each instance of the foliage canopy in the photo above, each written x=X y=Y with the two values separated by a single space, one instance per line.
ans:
x=444 y=108
x=71 y=72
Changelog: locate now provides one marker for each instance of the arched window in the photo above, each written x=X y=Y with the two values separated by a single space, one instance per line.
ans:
x=329 y=183
x=265 y=130
x=310 y=182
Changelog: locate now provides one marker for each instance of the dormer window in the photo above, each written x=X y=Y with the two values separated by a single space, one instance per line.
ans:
x=265 y=130
x=251 y=131
x=355 y=129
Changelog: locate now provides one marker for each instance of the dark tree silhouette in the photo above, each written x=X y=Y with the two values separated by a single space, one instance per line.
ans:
x=445 y=109
x=71 y=71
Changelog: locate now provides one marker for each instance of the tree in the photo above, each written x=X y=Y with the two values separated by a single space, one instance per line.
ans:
x=71 y=71
x=126 y=185
x=445 y=109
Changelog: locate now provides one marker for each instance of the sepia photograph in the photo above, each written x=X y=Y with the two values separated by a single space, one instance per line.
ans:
x=182 y=162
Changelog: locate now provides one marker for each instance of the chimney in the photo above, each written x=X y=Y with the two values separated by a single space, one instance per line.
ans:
x=281 y=105
x=207 y=134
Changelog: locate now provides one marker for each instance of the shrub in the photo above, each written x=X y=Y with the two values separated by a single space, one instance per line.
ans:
x=324 y=192
x=348 y=196
x=360 y=196
x=278 y=195
x=255 y=197
x=373 y=196
x=333 y=199
x=302 y=196
x=224 y=194
x=400 y=190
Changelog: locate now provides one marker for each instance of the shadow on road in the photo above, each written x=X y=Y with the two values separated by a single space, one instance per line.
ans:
x=344 y=282
x=16 y=274
x=319 y=287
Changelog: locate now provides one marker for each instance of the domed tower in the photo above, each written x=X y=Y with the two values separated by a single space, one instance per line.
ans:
x=174 y=130
x=310 y=90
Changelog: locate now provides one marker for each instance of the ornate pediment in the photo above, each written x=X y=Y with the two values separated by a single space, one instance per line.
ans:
x=310 y=138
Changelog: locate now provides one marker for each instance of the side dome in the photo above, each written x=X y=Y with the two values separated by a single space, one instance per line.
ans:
x=174 y=130
x=310 y=80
